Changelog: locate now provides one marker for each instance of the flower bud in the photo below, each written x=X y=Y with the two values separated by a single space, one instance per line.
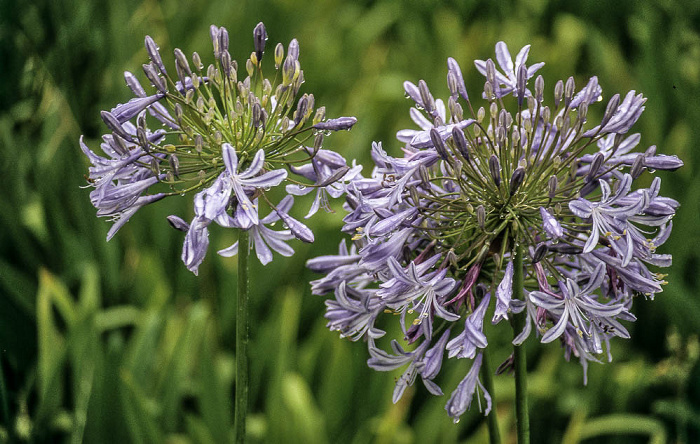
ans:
x=341 y=123
x=154 y=78
x=424 y=176
x=460 y=142
x=174 y=165
x=153 y=54
x=521 y=84
x=223 y=40
x=426 y=97
x=197 y=61
x=569 y=91
x=491 y=72
x=177 y=223
x=539 y=88
x=495 y=169
x=596 y=163
x=259 y=39
x=552 y=186
x=558 y=92
x=279 y=55
x=481 y=216
x=517 y=179
x=438 y=143
x=610 y=110
x=637 y=166
x=114 y=125
x=540 y=252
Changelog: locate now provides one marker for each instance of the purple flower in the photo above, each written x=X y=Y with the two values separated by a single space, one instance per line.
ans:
x=227 y=144
x=606 y=216
x=578 y=310
x=265 y=239
x=506 y=82
x=415 y=288
x=353 y=313
x=461 y=399
x=503 y=295
x=550 y=224
x=475 y=185
x=466 y=343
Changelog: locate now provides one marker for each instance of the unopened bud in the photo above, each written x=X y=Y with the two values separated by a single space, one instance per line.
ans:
x=438 y=143
x=143 y=139
x=341 y=123
x=569 y=91
x=279 y=55
x=583 y=111
x=558 y=92
x=257 y=115
x=495 y=169
x=424 y=176
x=114 y=125
x=197 y=61
x=174 y=165
x=490 y=72
x=154 y=55
x=552 y=186
x=637 y=166
x=481 y=216
x=488 y=90
x=546 y=114
x=178 y=223
x=521 y=83
x=223 y=40
x=460 y=142
x=539 y=88
x=540 y=252
x=517 y=179
x=596 y=163
x=293 y=49
x=259 y=39
x=426 y=97
x=154 y=78
x=610 y=110
x=318 y=141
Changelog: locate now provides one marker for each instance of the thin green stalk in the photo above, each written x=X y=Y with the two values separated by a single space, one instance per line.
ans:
x=241 y=401
x=492 y=418
x=3 y=402
x=519 y=359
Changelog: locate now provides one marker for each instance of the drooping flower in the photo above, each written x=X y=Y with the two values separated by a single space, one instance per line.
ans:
x=226 y=133
x=437 y=229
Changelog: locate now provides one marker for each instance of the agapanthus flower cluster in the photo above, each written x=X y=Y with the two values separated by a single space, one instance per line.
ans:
x=226 y=133
x=520 y=171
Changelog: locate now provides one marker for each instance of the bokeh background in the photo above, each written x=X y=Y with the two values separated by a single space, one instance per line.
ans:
x=117 y=342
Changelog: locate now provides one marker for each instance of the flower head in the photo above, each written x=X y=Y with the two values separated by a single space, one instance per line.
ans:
x=437 y=229
x=227 y=134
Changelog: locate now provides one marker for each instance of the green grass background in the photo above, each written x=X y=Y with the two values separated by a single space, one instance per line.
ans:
x=118 y=342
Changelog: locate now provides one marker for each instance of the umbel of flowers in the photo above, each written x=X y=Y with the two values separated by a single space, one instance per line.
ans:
x=513 y=194
x=225 y=132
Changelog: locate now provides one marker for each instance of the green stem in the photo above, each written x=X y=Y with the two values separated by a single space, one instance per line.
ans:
x=519 y=359
x=241 y=401
x=492 y=418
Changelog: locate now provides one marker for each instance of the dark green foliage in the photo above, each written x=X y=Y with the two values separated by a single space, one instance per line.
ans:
x=118 y=342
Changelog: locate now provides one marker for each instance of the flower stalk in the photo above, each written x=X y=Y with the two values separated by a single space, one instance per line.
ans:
x=519 y=357
x=241 y=396
x=492 y=418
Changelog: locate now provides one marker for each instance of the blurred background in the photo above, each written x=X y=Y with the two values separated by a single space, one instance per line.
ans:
x=118 y=342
